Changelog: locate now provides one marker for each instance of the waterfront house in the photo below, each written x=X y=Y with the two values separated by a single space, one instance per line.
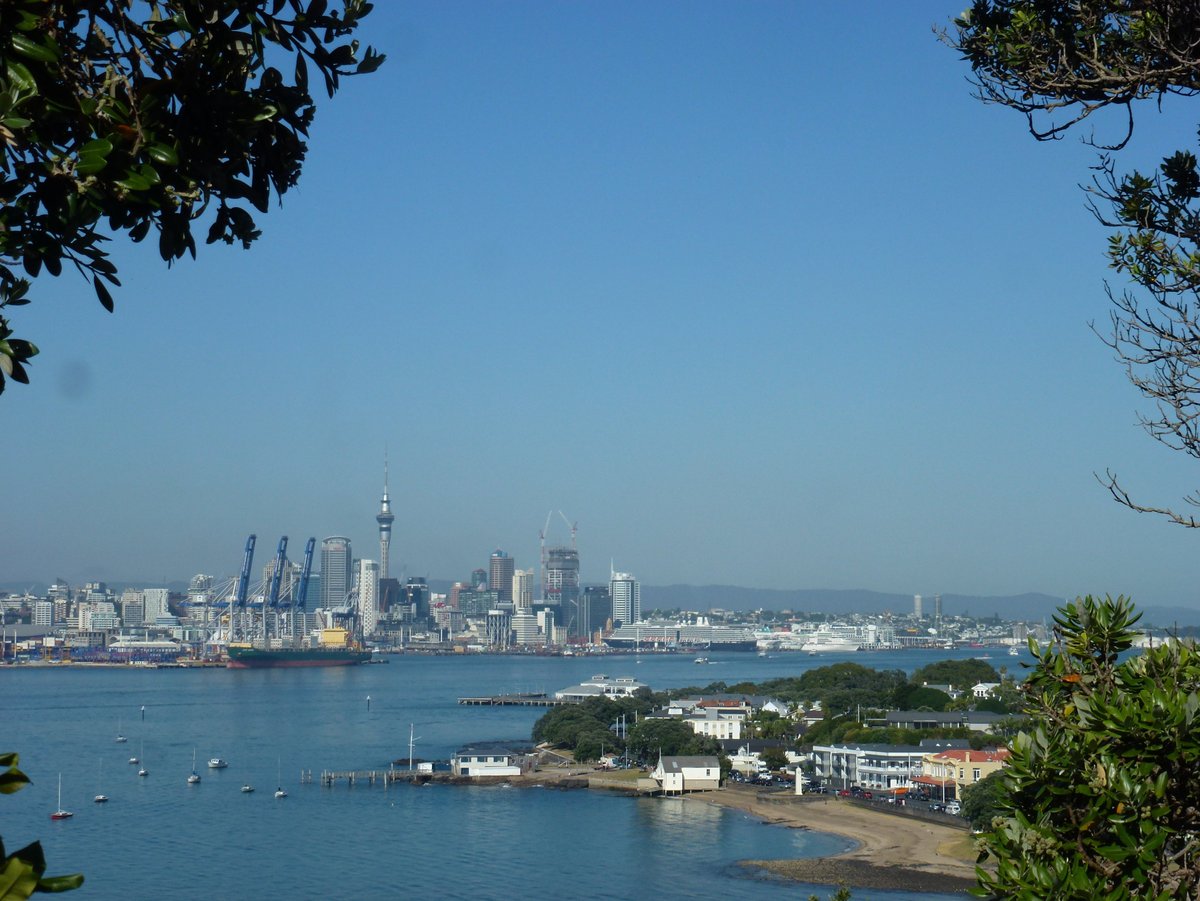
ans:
x=947 y=773
x=984 y=689
x=676 y=775
x=715 y=723
x=490 y=759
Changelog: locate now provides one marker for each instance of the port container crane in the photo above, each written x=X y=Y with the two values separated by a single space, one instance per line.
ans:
x=244 y=579
x=302 y=588
x=277 y=575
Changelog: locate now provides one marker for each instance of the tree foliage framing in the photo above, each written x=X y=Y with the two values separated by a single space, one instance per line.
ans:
x=132 y=115
x=1103 y=793
x=1060 y=61
x=23 y=872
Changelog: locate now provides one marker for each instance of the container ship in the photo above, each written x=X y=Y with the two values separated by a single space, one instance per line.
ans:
x=334 y=650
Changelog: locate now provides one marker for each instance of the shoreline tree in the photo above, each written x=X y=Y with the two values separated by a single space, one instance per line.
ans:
x=1059 y=62
x=1101 y=797
x=164 y=115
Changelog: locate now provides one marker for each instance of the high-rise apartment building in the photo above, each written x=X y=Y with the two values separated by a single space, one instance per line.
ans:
x=916 y=606
x=368 y=596
x=156 y=604
x=500 y=576
x=522 y=590
x=336 y=576
x=626 y=596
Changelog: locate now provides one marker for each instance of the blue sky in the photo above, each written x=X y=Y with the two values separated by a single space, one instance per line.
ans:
x=755 y=293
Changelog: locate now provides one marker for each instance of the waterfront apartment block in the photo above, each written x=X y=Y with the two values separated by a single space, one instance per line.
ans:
x=876 y=766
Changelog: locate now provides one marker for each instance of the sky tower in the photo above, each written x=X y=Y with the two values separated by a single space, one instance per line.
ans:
x=385 y=519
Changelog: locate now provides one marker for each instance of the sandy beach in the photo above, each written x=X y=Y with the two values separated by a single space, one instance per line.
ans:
x=891 y=852
x=894 y=852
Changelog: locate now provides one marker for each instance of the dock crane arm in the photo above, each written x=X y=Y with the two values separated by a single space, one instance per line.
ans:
x=280 y=557
x=244 y=579
x=302 y=588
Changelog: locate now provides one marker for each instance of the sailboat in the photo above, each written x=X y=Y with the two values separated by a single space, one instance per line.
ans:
x=120 y=739
x=143 y=771
x=195 y=777
x=100 y=798
x=60 y=814
x=279 y=792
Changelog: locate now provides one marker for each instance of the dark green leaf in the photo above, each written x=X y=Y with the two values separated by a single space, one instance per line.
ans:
x=102 y=293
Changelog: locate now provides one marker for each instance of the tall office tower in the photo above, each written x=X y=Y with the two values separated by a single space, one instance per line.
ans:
x=336 y=579
x=500 y=576
x=385 y=519
x=561 y=586
x=937 y=608
x=916 y=606
x=479 y=579
x=595 y=610
x=626 y=596
x=133 y=607
x=522 y=590
x=416 y=595
x=368 y=596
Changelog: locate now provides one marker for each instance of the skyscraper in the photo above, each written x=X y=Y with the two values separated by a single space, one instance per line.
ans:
x=626 y=596
x=595 y=609
x=916 y=606
x=500 y=576
x=368 y=596
x=385 y=519
x=336 y=578
x=562 y=576
x=522 y=592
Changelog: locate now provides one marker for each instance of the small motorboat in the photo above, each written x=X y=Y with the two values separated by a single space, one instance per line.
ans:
x=247 y=788
x=217 y=763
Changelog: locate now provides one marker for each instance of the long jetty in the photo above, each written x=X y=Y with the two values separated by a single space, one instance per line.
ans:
x=527 y=699
x=371 y=777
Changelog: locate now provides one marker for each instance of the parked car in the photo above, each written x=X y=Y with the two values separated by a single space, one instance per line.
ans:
x=844 y=793
x=953 y=807
x=936 y=806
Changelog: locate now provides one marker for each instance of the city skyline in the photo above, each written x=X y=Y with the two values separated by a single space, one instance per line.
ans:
x=747 y=307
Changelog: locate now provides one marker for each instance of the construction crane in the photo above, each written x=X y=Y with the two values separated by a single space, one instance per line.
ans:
x=573 y=526
x=244 y=578
x=302 y=588
x=277 y=575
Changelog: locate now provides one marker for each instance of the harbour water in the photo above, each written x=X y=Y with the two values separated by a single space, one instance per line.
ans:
x=160 y=837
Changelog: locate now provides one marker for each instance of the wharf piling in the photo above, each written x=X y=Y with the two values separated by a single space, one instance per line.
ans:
x=528 y=699
x=330 y=778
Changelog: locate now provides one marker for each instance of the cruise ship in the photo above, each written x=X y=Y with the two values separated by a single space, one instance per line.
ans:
x=686 y=636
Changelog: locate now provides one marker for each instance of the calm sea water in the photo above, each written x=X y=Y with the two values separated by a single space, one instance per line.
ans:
x=160 y=837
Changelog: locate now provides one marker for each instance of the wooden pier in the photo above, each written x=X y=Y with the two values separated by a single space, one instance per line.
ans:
x=530 y=699
x=351 y=778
